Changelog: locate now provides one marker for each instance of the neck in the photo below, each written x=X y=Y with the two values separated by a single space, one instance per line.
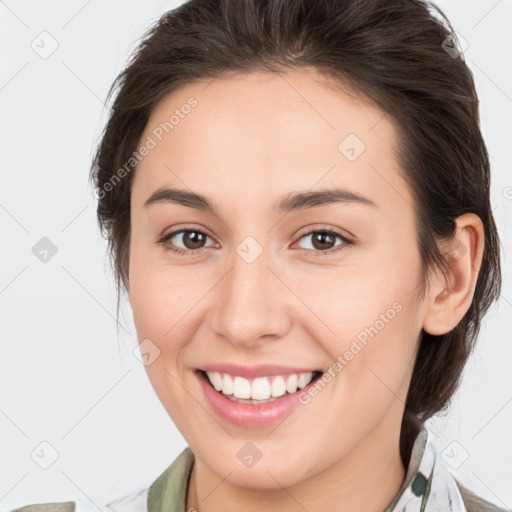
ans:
x=367 y=479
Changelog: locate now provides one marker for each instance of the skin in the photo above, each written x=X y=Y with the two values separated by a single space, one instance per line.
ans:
x=251 y=140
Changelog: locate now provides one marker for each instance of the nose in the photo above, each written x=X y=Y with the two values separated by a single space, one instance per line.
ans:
x=251 y=306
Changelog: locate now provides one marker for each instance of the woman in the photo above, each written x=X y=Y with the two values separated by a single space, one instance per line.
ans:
x=296 y=198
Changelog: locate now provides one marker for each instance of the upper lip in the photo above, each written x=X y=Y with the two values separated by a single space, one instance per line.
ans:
x=260 y=370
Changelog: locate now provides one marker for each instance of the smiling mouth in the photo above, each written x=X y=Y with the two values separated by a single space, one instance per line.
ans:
x=258 y=390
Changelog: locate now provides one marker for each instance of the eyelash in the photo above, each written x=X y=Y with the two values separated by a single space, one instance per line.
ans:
x=189 y=252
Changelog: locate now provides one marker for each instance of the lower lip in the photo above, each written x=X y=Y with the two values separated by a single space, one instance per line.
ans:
x=247 y=415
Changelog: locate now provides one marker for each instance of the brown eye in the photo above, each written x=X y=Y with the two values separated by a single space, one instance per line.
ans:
x=193 y=239
x=324 y=241
x=186 y=241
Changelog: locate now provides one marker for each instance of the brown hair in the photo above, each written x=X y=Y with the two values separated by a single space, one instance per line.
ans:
x=402 y=56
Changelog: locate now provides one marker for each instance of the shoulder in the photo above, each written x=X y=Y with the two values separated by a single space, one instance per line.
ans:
x=133 y=502
x=475 y=503
x=167 y=492
x=64 y=506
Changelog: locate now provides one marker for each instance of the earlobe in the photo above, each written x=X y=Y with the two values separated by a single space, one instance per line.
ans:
x=450 y=297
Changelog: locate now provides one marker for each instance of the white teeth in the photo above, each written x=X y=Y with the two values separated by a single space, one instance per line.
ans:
x=241 y=388
x=304 y=380
x=291 y=383
x=261 y=388
x=278 y=386
x=227 y=385
x=216 y=380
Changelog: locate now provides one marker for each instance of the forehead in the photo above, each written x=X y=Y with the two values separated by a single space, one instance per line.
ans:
x=268 y=133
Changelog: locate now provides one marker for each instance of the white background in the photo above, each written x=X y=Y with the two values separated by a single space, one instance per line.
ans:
x=66 y=378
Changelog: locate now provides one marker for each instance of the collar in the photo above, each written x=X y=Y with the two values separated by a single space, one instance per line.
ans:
x=428 y=486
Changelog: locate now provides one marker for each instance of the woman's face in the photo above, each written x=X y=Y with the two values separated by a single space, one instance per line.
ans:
x=266 y=285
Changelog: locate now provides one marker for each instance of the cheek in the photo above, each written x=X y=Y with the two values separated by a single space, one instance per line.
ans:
x=344 y=303
x=159 y=311
x=160 y=294
x=160 y=315
x=368 y=321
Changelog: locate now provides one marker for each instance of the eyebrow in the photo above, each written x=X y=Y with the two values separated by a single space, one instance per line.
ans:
x=293 y=201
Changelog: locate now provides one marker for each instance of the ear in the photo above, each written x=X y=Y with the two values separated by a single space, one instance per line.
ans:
x=449 y=298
